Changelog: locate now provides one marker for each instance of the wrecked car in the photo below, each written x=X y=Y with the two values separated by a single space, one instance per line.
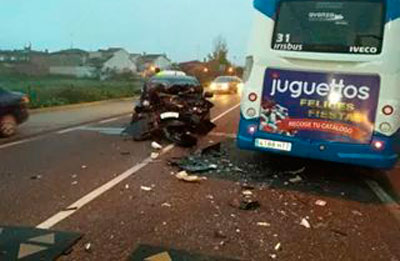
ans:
x=174 y=107
x=13 y=111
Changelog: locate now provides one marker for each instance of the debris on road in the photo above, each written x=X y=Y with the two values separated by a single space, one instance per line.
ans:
x=198 y=167
x=357 y=213
x=296 y=179
x=277 y=247
x=245 y=204
x=210 y=197
x=263 y=224
x=212 y=159
x=273 y=256
x=321 y=203
x=183 y=175
x=304 y=222
x=83 y=167
x=166 y=205
x=154 y=155
x=247 y=193
x=127 y=186
x=212 y=149
x=74 y=183
x=74 y=176
x=219 y=234
x=36 y=177
x=247 y=186
x=296 y=172
x=88 y=247
x=338 y=232
x=140 y=127
x=144 y=188
x=156 y=146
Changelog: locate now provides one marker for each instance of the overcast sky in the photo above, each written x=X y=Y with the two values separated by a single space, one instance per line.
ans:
x=184 y=29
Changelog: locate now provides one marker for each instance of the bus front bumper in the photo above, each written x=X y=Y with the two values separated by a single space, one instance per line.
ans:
x=355 y=154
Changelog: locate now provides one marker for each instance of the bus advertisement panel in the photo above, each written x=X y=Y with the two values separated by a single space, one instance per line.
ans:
x=320 y=106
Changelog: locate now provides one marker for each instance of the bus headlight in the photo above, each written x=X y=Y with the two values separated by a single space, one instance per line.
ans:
x=251 y=112
x=385 y=127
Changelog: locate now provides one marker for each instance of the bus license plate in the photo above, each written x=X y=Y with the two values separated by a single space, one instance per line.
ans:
x=275 y=145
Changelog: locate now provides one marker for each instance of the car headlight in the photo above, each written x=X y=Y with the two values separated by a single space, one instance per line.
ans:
x=225 y=86
x=25 y=100
x=146 y=103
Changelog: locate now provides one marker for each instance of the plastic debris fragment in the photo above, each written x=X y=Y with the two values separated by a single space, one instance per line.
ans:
x=146 y=188
x=321 y=203
x=184 y=176
x=304 y=222
x=156 y=146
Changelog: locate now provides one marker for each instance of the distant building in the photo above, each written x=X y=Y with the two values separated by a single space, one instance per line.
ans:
x=19 y=56
x=134 y=57
x=192 y=67
x=79 y=63
x=69 y=57
x=75 y=62
x=118 y=61
x=25 y=61
x=71 y=62
x=200 y=70
x=149 y=62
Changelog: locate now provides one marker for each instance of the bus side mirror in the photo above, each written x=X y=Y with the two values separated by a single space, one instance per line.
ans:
x=208 y=94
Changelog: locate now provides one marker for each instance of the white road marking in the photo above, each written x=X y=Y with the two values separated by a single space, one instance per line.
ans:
x=17 y=142
x=113 y=119
x=74 y=207
x=225 y=113
x=64 y=131
x=390 y=203
x=60 y=132
x=104 y=130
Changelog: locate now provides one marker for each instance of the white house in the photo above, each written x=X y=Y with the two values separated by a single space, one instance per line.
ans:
x=146 y=62
x=120 y=61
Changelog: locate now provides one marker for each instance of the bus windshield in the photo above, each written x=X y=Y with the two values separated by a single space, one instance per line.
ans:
x=329 y=26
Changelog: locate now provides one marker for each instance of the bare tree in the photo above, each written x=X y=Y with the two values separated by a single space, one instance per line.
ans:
x=220 y=51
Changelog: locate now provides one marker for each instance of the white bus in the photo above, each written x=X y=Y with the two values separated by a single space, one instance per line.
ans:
x=324 y=81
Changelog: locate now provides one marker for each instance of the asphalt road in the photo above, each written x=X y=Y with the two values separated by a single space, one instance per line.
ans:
x=88 y=179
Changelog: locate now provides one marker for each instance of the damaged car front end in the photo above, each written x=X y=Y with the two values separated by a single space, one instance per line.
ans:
x=172 y=107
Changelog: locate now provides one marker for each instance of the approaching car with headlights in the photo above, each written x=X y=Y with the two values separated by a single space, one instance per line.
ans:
x=226 y=84
x=13 y=111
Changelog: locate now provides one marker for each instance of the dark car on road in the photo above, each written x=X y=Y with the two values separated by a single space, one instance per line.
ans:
x=226 y=84
x=13 y=111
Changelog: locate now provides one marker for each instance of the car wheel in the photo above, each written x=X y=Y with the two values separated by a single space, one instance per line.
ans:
x=8 y=126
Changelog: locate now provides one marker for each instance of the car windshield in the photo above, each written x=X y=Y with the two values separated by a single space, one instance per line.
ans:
x=329 y=26
x=226 y=79
x=175 y=81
